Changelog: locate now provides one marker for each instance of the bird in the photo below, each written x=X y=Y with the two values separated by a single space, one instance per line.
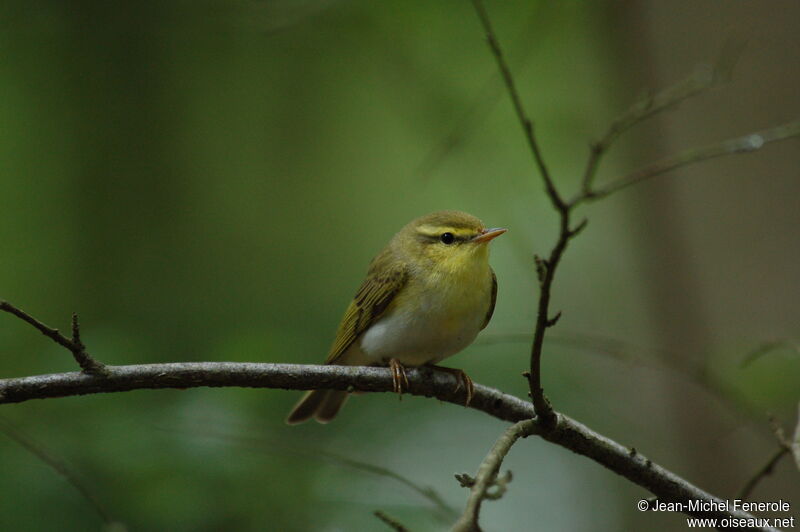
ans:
x=426 y=297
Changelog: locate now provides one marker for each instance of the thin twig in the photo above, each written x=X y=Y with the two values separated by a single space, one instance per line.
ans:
x=566 y=433
x=60 y=468
x=546 y=267
x=744 y=144
x=51 y=333
x=527 y=125
x=74 y=345
x=763 y=472
x=393 y=523
x=703 y=79
x=487 y=474
x=786 y=446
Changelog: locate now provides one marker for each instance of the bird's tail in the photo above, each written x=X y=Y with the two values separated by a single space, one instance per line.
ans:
x=322 y=405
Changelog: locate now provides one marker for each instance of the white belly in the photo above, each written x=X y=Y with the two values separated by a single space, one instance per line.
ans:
x=432 y=331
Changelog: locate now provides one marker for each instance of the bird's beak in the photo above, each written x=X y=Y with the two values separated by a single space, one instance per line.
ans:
x=489 y=234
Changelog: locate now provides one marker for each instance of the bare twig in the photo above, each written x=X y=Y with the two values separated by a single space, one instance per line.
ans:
x=527 y=125
x=652 y=104
x=74 y=345
x=38 y=451
x=498 y=486
x=545 y=267
x=744 y=144
x=703 y=79
x=391 y=522
x=762 y=472
x=487 y=475
x=566 y=432
x=790 y=446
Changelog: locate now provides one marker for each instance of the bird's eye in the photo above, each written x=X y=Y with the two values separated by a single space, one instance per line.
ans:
x=447 y=238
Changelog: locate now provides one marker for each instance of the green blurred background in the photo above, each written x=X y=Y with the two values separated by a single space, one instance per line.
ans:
x=208 y=181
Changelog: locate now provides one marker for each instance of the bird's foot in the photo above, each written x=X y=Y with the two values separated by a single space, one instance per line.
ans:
x=399 y=378
x=461 y=379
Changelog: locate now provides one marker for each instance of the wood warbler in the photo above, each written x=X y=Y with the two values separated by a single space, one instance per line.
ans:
x=426 y=296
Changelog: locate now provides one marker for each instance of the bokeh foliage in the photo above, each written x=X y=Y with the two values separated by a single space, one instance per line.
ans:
x=208 y=180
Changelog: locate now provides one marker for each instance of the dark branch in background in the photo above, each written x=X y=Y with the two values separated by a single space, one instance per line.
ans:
x=762 y=473
x=786 y=446
x=744 y=144
x=702 y=80
x=527 y=125
x=57 y=466
x=391 y=522
x=444 y=512
x=74 y=345
x=487 y=475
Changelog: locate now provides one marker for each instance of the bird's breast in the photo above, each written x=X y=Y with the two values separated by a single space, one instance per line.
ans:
x=429 y=320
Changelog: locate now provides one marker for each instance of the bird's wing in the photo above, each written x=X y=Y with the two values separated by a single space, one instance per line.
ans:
x=384 y=280
x=491 y=302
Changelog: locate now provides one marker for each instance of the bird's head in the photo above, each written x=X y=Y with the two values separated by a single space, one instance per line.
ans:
x=446 y=241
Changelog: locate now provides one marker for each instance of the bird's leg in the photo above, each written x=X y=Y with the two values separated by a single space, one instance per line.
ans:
x=398 y=376
x=461 y=378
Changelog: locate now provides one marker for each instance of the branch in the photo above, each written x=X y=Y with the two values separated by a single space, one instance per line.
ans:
x=744 y=144
x=391 y=522
x=527 y=125
x=74 y=345
x=786 y=446
x=487 y=475
x=545 y=267
x=703 y=79
x=566 y=432
x=763 y=472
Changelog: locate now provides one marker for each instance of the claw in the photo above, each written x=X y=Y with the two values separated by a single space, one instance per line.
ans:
x=462 y=379
x=399 y=377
